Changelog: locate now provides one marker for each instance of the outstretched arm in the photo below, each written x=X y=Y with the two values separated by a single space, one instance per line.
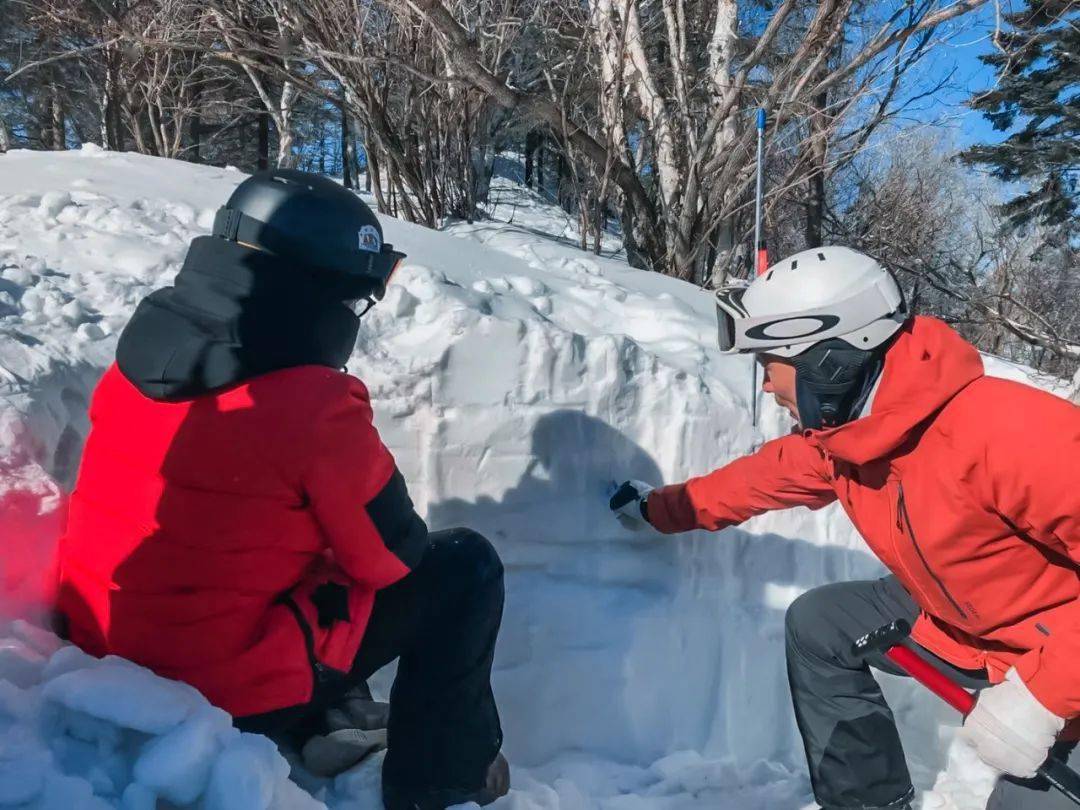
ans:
x=785 y=472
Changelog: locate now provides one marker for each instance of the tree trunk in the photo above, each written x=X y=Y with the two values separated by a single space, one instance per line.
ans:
x=57 y=124
x=118 y=132
x=815 y=210
x=118 y=129
x=283 y=123
x=815 y=202
x=196 y=138
x=346 y=163
x=5 y=139
x=196 y=127
x=264 y=141
x=722 y=249
x=112 y=127
x=564 y=190
x=375 y=179
x=633 y=237
x=600 y=224
x=367 y=165
x=532 y=143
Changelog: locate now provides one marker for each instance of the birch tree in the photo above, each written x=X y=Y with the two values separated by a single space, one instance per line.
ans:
x=258 y=29
x=690 y=73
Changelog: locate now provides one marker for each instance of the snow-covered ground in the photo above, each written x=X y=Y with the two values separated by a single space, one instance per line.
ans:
x=514 y=377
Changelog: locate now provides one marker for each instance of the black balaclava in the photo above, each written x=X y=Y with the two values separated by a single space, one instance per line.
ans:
x=833 y=380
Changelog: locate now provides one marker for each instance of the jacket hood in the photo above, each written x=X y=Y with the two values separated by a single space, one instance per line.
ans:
x=926 y=366
x=233 y=314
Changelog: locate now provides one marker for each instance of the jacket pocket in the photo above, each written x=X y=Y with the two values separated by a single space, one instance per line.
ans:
x=903 y=521
x=321 y=674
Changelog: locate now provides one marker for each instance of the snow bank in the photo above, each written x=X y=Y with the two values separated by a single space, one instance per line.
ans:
x=514 y=378
x=78 y=732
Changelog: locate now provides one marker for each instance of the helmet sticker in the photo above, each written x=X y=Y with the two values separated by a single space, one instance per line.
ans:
x=370 y=239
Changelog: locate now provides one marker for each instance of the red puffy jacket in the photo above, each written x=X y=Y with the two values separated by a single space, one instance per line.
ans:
x=966 y=486
x=235 y=541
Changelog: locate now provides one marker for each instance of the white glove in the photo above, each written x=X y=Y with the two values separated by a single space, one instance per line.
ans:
x=1010 y=730
x=627 y=501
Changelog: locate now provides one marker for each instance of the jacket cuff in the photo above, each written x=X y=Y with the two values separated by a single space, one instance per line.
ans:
x=669 y=510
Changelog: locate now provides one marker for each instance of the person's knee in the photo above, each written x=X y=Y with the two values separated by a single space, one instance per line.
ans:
x=475 y=559
x=806 y=623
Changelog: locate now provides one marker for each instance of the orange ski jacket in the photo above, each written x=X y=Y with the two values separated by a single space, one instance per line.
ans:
x=966 y=487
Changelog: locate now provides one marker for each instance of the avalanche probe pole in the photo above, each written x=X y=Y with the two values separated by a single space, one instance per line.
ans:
x=761 y=258
x=887 y=640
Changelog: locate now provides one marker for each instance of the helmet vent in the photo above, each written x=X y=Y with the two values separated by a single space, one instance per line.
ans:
x=821 y=256
x=795 y=264
x=770 y=275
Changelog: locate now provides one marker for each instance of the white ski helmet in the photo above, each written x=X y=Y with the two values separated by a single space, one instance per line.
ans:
x=815 y=295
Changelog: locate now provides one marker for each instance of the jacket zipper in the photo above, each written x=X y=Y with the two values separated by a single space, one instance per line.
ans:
x=902 y=517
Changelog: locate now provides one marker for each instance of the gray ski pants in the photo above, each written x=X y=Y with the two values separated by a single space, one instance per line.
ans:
x=852 y=747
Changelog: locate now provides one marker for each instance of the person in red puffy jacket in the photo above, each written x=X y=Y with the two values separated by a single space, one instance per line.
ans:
x=238 y=524
x=963 y=485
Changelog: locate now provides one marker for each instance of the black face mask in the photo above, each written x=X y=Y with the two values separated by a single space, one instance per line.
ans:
x=833 y=380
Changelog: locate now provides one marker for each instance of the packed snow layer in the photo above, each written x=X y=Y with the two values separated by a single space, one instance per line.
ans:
x=515 y=378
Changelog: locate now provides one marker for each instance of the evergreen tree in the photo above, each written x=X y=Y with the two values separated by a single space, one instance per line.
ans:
x=1038 y=89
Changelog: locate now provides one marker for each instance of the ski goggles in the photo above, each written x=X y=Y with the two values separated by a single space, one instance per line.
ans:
x=381 y=266
x=729 y=310
x=787 y=335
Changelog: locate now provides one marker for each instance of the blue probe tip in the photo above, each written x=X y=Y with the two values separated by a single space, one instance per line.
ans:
x=761 y=119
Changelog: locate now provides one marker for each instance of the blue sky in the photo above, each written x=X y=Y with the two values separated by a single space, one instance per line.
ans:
x=969 y=38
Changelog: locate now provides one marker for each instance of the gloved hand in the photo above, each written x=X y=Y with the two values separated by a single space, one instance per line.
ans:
x=628 y=503
x=1010 y=730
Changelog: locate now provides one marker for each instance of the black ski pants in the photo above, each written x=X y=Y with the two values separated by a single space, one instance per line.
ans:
x=441 y=622
x=852 y=748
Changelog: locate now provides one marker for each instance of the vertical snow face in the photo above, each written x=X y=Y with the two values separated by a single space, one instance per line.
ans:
x=515 y=419
x=515 y=379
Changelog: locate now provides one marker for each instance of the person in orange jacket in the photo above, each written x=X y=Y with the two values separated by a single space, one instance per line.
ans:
x=963 y=485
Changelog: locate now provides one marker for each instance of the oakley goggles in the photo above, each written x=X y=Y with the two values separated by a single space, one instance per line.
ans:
x=789 y=334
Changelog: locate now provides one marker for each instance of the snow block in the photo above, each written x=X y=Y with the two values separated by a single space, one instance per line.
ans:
x=124 y=694
x=245 y=775
x=177 y=764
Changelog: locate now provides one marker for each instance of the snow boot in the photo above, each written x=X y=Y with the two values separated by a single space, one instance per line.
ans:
x=495 y=787
x=355 y=728
x=336 y=752
x=358 y=709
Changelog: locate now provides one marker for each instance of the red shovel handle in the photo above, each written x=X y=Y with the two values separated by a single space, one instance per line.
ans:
x=885 y=639
x=952 y=693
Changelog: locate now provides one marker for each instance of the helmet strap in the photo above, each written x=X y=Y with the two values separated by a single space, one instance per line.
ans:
x=370 y=303
x=227 y=223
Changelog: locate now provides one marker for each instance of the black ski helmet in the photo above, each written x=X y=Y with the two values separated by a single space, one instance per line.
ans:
x=315 y=223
